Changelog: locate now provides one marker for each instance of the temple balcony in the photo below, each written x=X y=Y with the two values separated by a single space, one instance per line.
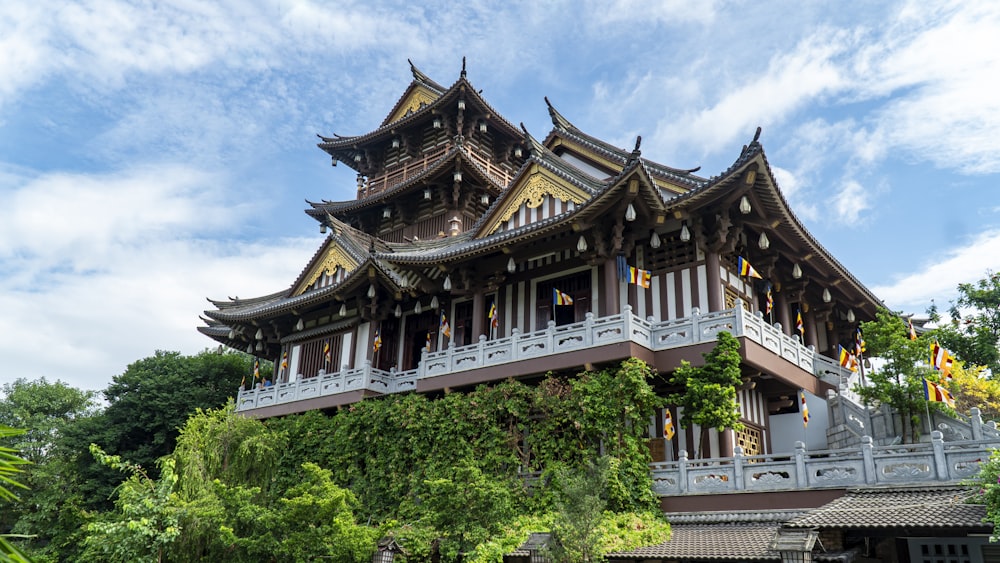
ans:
x=596 y=340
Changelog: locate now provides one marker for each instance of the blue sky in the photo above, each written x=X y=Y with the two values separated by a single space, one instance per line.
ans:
x=155 y=155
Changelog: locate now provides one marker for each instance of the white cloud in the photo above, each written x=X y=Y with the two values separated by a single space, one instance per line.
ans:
x=84 y=329
x=850 y=202
x=940 y=63
x=102 y=267
x=937 y=278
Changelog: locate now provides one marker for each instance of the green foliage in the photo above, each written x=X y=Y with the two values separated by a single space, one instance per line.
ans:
x=709 y=391
x=467 y=507
x=147 y=405
x=49 y=517
x=899 y=381
x=579 y=510
x=461 y=472
x=146 y=522
x=10 y=466
x=315 y=521
x=987 y=484
x=44 y=409
x=152 y=399
x=973 y=337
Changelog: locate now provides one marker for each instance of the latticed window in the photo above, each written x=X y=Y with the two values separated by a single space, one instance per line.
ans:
x=750 y=439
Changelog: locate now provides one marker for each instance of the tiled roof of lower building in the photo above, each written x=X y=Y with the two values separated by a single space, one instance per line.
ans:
x=924 y=506
x=710 y=542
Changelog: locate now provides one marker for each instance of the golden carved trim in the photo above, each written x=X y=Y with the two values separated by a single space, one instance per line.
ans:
x=532 y=193
x=420 y=95
x=334 y=257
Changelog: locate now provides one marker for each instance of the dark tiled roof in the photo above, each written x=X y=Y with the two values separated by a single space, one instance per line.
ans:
x=910 y=507
x=711 y=542
x=536 y=541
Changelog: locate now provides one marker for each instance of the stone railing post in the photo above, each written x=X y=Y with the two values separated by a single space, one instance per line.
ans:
x=515 y=333
x=627 y=322
x=481 y=351
x=695 y=325
x=940 y=462
x=738 y=467
x=976 y=419
x=550 y=337
x=682 y=470
x=588 y=331
x=738 y=321
x=866 y=453
x=801 y=476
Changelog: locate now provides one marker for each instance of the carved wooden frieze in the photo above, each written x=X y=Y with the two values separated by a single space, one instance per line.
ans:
x=531 y=194
x=333 y=258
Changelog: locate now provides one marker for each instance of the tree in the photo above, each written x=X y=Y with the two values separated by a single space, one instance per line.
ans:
x=579 y=510
x=10 y=465
x=147 y=406
x=975 y=335
x=972 y=389
x=898 y=382
x=43 y=409
x=146 y=523
x=709 y=392
x=466 y=507
x=49 y=513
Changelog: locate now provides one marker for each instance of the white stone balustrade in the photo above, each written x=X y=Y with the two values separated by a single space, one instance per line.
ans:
x=591 y=332
x=866 y=465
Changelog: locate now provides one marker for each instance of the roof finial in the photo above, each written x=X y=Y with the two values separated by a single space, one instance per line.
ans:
x=463 y=67
x=638 y=141
x=756 y=135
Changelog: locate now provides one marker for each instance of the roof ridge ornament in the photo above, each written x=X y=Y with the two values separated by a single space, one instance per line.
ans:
x=463 y=66
x=558 y=120
x=418 y=75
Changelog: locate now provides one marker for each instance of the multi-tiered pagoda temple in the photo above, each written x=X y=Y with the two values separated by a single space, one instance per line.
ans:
x=474 y=252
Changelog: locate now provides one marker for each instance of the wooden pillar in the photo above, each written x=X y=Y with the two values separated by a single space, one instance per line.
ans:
x=784 y=316
x=610 y=289
x=812 y=334
x=726 y=443
x=714 y=279
x=478 y=315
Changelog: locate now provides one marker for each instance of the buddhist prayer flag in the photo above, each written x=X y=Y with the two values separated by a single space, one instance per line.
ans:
x=639 y=276
x=941 y=360
x=326 y=352
x=428 y=341
x=445 y=327
x=560 y=298
x=377 y=341
x=847 y=359
x=494 y=315
x=859 y=343
x=937 y=394
x=804 y=408
x=668 y=424
x=798 y=324
x=842 y=356
x=913 y=332
x=256 y=369
x=284 y=361
x=770 y=301
x=747 y=270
